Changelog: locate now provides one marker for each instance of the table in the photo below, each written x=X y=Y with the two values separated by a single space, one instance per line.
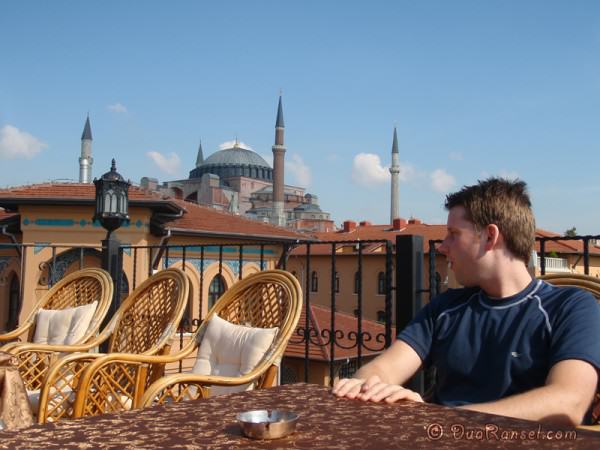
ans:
x=326 y=422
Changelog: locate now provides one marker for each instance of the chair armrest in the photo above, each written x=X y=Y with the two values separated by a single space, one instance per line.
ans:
x=189 y=386
x=34 y=360
x=14 y=334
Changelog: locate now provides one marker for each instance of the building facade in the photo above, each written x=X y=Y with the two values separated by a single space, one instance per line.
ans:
x=51 y=233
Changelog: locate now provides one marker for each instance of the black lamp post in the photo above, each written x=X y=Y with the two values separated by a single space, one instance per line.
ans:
x=112 y=202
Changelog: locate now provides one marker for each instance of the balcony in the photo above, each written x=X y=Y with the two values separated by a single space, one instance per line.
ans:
x=554 y=264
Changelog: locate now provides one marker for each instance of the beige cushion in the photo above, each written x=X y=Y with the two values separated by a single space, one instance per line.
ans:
x=63 y=326
x=231 y=350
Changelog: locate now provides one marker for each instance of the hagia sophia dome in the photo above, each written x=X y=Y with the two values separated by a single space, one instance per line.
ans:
x=231 y=161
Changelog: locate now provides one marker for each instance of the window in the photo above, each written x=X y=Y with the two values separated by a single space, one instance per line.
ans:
x=14 y=301
x=381 y=283
x=337 y=283
x=381 y=316
x=215 y=290
x=314 y=282
x=356 y=282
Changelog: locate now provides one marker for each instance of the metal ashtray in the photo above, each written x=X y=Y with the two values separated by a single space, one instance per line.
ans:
x=263 y=424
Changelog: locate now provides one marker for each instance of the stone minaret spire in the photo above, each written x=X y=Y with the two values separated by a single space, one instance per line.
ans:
x=278 y=216
x=200 y=157
x=86 y=160
x=395 y=171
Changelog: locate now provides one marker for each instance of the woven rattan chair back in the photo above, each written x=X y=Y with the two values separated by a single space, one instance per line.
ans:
x=151 y=313
x=262 y=300
x=591 y=284
x=272 y=298
x=76 y=289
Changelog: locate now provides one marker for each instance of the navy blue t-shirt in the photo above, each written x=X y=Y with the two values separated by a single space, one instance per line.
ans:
x=485 y=349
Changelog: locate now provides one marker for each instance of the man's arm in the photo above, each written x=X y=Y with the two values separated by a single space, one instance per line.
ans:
x=569 y=390
x=381 y=378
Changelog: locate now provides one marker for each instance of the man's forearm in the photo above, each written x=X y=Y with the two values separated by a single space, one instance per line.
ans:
x=549 y=404
x=395 y=366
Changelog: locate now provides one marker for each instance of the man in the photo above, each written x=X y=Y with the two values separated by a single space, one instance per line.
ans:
x=505 y=343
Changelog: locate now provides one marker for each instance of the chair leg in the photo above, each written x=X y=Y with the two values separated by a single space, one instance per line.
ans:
x=269 y=377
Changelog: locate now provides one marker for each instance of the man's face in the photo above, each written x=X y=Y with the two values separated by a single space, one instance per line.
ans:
x=463 y=247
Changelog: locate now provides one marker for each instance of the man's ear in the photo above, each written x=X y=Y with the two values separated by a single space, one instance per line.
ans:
x=492 y=234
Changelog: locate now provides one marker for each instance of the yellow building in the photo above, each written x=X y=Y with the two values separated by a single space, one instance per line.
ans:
x=52 y=227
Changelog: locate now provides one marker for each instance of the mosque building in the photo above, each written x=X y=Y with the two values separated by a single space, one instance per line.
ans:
x=238 y=180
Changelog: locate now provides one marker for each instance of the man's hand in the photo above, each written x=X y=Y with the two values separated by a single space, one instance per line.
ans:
x=374 y=390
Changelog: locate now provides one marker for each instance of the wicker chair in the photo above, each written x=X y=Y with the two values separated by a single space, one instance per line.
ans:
x=591 y=284
x=144 y=324
x=267 y=299
x=76 y=289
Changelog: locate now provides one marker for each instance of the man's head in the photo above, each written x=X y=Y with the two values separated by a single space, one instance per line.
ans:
x=503 y=203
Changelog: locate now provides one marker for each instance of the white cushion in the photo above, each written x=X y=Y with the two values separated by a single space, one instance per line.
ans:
x=63 y=326
x=231 y=350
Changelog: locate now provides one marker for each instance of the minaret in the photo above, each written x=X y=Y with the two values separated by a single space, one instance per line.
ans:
x=278 y=216
x=86 y=160
x=395 y=171
x=200 y=157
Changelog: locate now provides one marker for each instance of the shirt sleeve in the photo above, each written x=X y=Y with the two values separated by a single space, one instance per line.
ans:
x=576 y=330
x=419 y=332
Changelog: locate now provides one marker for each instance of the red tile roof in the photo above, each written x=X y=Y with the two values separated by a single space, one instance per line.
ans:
x=71 y=191
x=200 y=220
x=372 y=232
x=319 y=348
x=574 y=246
x=209 y=220
x=367 y=232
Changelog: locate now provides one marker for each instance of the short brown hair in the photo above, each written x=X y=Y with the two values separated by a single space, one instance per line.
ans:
x=504 y=203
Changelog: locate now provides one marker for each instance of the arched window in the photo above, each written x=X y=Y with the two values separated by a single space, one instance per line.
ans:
x=215 y=289
x=356 y=282
x=381 y=283
x=14 y=301
x=314 y=282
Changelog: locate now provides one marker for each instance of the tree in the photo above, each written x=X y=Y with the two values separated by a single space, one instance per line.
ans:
x=571 y=232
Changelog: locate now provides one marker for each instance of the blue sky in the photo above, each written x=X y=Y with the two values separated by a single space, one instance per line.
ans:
x=476 y=88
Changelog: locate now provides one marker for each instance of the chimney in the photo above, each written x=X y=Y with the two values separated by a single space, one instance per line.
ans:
x=398 y=224
x=365 y=223
x=414 y=221
x=349 y=226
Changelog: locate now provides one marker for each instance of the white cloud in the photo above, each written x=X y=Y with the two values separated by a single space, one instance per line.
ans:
x=117 y=108
x=456 y=156
x=15 y=143
x=299 y=170
x=367 y=170
x=168 y=164
x=230 y=144
x=442 y=181
x=407 y=172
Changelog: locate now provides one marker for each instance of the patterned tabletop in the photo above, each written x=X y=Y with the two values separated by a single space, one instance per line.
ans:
x=325 y=422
